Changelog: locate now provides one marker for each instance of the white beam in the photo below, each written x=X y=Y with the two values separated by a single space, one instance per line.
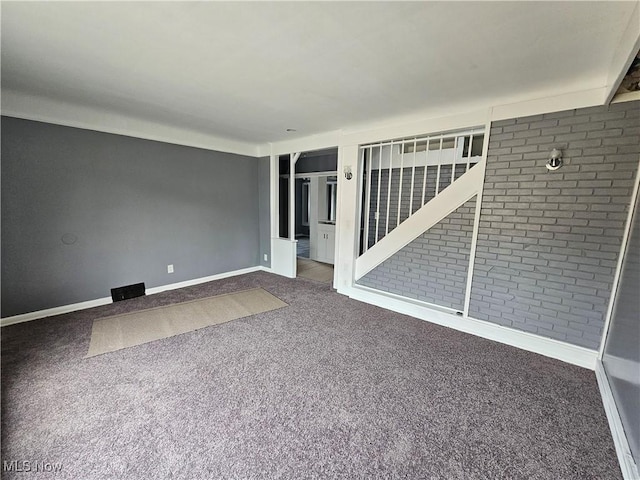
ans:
x=274 y=196
x=293 y=158
x=476 y=222
x=347 y=224
x=416 y=128
x=309 y=143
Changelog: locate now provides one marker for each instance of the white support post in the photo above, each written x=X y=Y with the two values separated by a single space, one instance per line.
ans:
x=378 y=200
x=347 y=224
x=469 y=152
x=438 y=173
x=293 y=158
x=365 y=242
x=400 y=181
x=314 y=193
x=424 y=178
x=482 y=164
x=413 y=176
x=273 y=202
x=274 y=178
x=386 y=229
x=453 y=160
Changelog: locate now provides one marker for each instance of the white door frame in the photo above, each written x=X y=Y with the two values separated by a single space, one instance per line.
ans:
x=283 y=250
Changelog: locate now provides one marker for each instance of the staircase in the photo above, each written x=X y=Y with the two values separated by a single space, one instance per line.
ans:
x=410 y=185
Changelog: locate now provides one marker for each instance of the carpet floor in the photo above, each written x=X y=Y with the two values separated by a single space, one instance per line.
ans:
x=326 y=388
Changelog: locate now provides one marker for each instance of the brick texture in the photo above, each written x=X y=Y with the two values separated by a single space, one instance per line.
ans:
x=548 y=242
x=433 y=268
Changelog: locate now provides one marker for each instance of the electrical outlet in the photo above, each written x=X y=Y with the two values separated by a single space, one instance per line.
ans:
x=170 y=268
x=266 y=257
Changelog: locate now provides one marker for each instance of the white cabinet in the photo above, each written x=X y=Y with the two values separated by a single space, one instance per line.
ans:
x=326 y=243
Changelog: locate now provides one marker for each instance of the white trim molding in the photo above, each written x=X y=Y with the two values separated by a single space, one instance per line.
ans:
x=40 y=109
x=549 y=104
x=625 y=458
x=50 y=312
x=416 y=125
x=575 y=355
x=309 y=143
x=210 y=278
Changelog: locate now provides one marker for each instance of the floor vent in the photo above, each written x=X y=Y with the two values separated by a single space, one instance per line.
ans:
x=128 y=291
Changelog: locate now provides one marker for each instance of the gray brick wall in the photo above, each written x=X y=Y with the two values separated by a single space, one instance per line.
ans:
x=548 y=242
x=432 y=268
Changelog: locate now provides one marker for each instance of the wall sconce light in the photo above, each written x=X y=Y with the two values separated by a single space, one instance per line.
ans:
x=555 y=160
x=347 y=172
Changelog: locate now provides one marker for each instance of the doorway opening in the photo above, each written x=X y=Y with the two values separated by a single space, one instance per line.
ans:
x=304 y=197
x=315 y=207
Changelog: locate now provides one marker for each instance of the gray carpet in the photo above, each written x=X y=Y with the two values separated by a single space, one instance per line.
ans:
x=326 y=388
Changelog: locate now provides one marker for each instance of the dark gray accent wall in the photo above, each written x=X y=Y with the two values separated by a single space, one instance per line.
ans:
x=621 y=357
x=316 y=162
x=548 y=241
x=84 y=211
x=300 y=229
x=432 y=268
x=264 y=199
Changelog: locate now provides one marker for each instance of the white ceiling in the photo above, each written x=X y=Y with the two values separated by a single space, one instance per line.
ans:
x=248 y=71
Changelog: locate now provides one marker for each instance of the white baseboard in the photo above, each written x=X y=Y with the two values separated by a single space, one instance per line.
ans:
x=627 y=463
x=49 y=312
x=197 y=281
x=580 y=356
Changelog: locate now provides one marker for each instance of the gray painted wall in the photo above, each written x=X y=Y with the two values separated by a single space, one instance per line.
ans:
x=315 y=162
x=548 y=241
x=432 y=268
x=622 y=350
x=133 y=206
x=264 y=199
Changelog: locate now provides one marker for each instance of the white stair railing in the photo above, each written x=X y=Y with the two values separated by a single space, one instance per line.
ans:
x=462 y=190
x=401 y=176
